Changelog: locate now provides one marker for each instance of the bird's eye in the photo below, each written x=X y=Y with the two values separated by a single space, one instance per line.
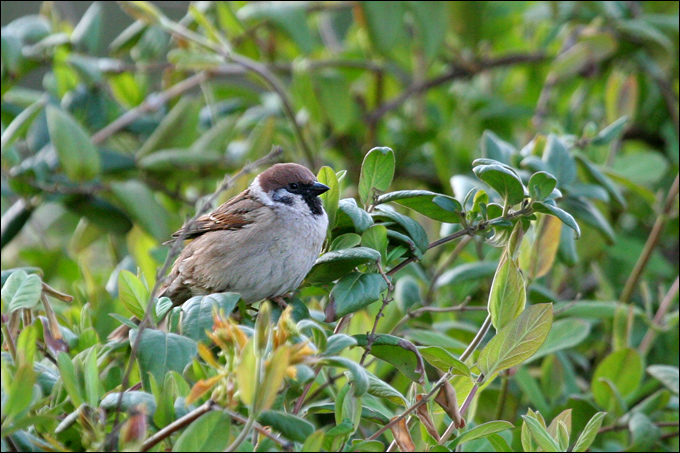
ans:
x=293 y=186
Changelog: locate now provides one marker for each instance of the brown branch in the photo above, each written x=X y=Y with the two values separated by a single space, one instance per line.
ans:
x=456 y=72
x=657 y=322
x=152 y=102
x=469 y=231
x=650 y=245
x=387 y=298
x=178 y=424
x=412 y=408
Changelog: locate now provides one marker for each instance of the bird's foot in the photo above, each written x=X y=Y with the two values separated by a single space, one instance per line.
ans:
x=279 y=300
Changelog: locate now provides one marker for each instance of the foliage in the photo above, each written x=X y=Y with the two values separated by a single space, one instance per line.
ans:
x=546 y=294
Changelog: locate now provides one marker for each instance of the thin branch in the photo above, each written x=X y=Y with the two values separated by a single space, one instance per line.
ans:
x=453 y=256
x=456 y=72
x=463 y=409
x=178 y=424
x=650 y=245
x=285 y=444
x=657 y=322
x=387 y=298
x=477 y=339
x=469 y=231
x=462 y=307
x=152 y=102
x=413 y=407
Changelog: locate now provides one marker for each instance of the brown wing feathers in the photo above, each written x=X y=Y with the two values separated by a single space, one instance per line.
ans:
x=229 y=216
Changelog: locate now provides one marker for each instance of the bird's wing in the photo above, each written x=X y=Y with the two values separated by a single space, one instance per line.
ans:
x=232 y=215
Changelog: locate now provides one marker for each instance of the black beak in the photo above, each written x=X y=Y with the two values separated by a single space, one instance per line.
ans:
x=317 y=188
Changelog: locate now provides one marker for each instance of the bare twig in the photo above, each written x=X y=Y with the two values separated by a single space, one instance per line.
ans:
x=152 y=102
x=387 y=298
x=463 y=409
x=456 y=72
x=463 y=306
x=453 y=256
x=650 y=245
x=469 y=231
x=178 y=424
x=657 y=322
x=47 y=289
x=413 y=407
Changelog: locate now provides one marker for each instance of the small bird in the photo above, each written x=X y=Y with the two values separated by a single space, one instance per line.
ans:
x=260 y=244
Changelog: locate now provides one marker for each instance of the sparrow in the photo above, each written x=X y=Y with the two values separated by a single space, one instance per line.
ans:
x=260 y=244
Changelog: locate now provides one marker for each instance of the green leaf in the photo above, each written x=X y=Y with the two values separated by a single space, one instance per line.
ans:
x=384 y=21
x=564 y=216
x=178 y=159
x=338 y=263
x=291 y=426
x=406 y=293
x=502 y=180
x=590 y=50
x=541 y=185
x=69 y=379
x=178 y=129
x=289 y=18
x=194 y=60
x=77 y=155
x=198 y=313
x=349 y=214
x=376 y=238
x=381 y=389
x=377 y=171
x=589 y=432
x=367 y=413
x=353 y=292
x=507 y=297
x=480 y=432
x=314 y=442
x=338 y=342
x=466 y=272
x=160 y=352
x=132 y=400
x=564 y=334
x=345 y=241
x=210 y=432
x=498 y=443
x=531 y=390
x=140 y=202
x=517 y=341
x=100 y=212
x=610 y=132
x=412 y=228
x=423 y=202
x=338 y=107
x=668 y=375
x=19 y=394
x=540 y=434
x=496 y=149
x=399 y=352
x=17 y=128
x=596 y=175
x=359 y=375
x=444 y=360
x=623 y=369
x=21 y=291
x=330 y=198
x=132 y=293
x=559 y=161
x=644 y=433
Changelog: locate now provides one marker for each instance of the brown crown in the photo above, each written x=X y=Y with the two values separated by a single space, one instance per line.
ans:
x=280 y=175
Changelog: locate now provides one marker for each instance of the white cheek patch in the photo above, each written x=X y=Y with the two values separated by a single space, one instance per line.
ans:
x=258 y=194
